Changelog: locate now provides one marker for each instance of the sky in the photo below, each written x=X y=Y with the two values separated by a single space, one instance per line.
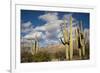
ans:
x=45 y=25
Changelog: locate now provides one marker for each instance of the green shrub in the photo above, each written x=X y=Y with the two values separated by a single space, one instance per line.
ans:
x=41 y=57
x=26 y=57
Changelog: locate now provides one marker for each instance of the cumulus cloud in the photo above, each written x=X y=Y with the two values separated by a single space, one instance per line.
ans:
x=40 y=28
x=26 y=27
x=49 y=17
x=33 y=35
x=51 y=41
x=50 y=32
x=51 y=28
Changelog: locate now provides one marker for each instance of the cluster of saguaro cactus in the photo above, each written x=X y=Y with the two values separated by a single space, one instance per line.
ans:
x=80 y=40
x=80 y=44
x=68 y=42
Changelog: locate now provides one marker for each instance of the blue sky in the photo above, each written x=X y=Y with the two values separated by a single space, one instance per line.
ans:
x=36 y=22
x=31 y=15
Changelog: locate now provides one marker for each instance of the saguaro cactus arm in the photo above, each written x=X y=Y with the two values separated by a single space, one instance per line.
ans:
x=65 y=33
x=64 y=43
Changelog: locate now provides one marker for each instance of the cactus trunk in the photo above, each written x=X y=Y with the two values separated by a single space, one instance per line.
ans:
x=35 y=47
x=76 y=39
x=82 y=40
x=65 y=35
x=71 y=40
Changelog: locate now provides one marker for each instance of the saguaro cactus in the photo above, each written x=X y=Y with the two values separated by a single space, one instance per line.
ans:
x=65 y=42
x=82 y=39
x=76 y=38
x=65 y=35
x=78 y=42
x=35 y=46
x=71 y=40
x=68 y=42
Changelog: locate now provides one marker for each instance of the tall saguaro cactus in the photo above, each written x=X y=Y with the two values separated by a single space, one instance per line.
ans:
x=65 y=35
x=37 y=44
x=82 y=40
x=76 y=38
x=35 y=47
x=68 y=42
x=78 y=42
x=71 y=40
x=65 y=42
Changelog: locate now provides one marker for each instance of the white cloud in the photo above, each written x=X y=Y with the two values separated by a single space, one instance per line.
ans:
x=51 y=30
x=49 y=17
x=49 y=41
x=50 y=26
x=40 y=28
x=54 y=25
x=27 y=24
x=26 y=27
x=34 y=35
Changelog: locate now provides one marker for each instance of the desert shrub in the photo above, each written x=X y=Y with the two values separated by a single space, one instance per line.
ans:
x=75 y=52
x=26 y=57
x=87 y=50
x=60 y=55
x=41 y=57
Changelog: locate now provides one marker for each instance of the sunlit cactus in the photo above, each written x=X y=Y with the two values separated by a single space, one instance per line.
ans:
x=82 y=39
x=71 y=40
x=65 y=42
x=79 y=38
x=36 y=44
x=76 y=38
x=35 y=47
x=68 y=42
